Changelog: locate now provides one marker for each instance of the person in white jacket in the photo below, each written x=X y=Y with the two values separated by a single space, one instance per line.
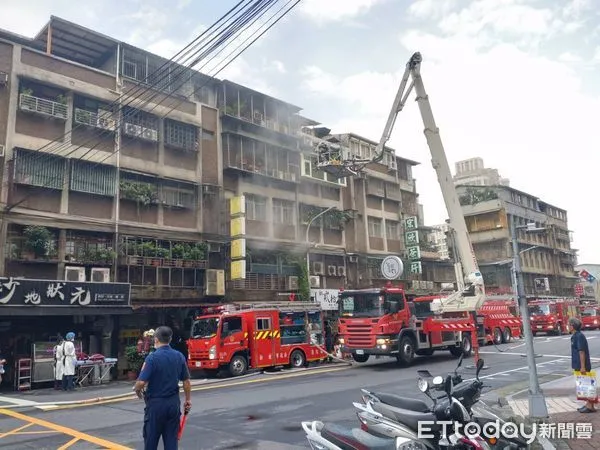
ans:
x=69 y=358
x=59 y=366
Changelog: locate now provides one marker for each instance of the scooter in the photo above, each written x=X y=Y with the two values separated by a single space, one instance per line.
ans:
x=334 y=437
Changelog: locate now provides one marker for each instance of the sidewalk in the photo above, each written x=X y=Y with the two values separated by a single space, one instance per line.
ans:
x=566 y=428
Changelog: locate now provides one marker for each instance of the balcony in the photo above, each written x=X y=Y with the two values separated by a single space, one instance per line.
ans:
x=407 y=185
x=140 y=132
x=42 y=106
x=261 y=282
x=102 y=119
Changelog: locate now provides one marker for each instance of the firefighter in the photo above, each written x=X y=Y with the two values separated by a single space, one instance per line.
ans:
x=161 y=373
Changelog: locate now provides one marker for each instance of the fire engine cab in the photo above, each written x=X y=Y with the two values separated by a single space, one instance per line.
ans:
x=256 y=336
x=552 y=315
x=590 y=316
x=382 y=322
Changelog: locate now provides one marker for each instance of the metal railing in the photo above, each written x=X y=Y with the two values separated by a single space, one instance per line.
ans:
x=42 y=106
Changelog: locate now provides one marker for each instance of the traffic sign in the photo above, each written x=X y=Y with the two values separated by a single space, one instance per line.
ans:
x=392 y=267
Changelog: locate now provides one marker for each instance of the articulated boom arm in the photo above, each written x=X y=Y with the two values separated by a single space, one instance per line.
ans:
x=471 y=292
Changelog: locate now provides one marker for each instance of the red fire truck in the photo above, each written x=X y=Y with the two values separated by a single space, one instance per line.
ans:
x=499 y=322
x=590 y=316
x=552 y=315
x=256 y=336
x=383 y=322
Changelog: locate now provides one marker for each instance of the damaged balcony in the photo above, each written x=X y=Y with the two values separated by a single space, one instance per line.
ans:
x=256 y=157
x=265 y=115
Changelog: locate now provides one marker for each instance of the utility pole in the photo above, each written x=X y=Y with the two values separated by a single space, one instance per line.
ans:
x=537 y=402
x=308 y=225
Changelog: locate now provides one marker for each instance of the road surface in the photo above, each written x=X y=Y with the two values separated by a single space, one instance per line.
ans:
x=265 y=411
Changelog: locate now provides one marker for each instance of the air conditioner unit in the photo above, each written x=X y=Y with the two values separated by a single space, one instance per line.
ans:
x=318 y=268
x=341 y=271
x=2 y=151
x=214 y=282
x=150 y=134
x=214 y=248
x=133 y=130
x=3 y=79
x=353 y=259
x=332 y=271
x=315 y=281
x=73 y=273
x=106 y=123
x=100 y=275
x=292 y=283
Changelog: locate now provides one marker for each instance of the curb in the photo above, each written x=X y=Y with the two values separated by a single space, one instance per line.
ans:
x=111 y=397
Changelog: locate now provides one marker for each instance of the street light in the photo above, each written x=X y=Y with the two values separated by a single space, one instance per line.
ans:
x=537 y=402
x=310 y=222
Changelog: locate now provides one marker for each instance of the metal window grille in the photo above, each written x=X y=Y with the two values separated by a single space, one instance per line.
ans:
x=39 y=169
x=93 y=179
x=181 y=135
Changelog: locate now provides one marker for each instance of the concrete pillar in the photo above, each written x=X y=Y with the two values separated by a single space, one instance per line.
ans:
x=161 y=163
x=62 y=245
x=269 y=216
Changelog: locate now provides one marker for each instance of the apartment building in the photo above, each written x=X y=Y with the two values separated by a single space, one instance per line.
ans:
x=547 y=259
x=115 y=185
x=472 y=172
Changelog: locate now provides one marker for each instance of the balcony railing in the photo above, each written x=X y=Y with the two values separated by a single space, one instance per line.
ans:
x=286 y=175
x=138 y=131
x=92 y=119
x=260 y=282
x=42 y=106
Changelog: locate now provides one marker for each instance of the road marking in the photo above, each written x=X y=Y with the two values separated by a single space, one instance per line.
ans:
x=17 y=401
x=64 y=430
x=204 y=388
x=69 y=444
x=507 y=371
x=16 y=430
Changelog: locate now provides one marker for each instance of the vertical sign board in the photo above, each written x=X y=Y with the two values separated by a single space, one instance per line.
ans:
x=237 y=230
x=411 y=239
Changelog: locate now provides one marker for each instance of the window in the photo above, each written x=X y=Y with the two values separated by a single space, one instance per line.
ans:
x=178 y=197
x=392 y=230
x=207 y=135
x=283 y=212
x=375 y=230
x=181 y=135
x=309 y=169
x=93 y=178
x=263 y=324
x=39 y=169
x=231 y=325
x=256 y=208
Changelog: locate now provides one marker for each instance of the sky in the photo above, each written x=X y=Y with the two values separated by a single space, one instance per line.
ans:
x=512 y=81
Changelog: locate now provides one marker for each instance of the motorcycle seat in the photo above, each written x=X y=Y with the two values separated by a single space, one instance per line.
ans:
x=398 y=401
x=354 y=438
x=409 y=418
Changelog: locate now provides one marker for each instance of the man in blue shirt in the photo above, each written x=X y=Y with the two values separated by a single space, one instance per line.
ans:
x=158 y=384
x=580 y=357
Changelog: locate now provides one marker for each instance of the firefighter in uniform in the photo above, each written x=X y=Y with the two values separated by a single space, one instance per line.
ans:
x=158 y=384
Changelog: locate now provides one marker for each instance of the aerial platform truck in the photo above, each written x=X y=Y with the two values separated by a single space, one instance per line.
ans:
x=382 y=321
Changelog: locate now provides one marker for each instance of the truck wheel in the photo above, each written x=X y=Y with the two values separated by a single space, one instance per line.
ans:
x=238 y=366
x=466 y=346
x=407 y=351
x=360 y=358
x=497 y=336
x=506 y=336
x=297 y=359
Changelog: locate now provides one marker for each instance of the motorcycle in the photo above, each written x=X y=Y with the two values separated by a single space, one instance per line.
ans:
x=378 y=414
x=335 y=437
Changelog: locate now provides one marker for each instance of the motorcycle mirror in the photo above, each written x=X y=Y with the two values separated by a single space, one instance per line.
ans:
x=480 y=364
x=438 y=381
x=423 y=385
x=448 y=386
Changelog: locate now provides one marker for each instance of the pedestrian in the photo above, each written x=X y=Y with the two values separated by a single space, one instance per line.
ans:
x=158 y=385
x=69 y=362
x=2 y=370
x=59 y=366
x=580 y=358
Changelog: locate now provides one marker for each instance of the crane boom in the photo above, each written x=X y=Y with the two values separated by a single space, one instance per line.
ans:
x=471 y=292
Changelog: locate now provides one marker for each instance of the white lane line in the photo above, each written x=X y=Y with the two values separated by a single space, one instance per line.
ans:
x=541 y=355
x=17 y=401
x=509 y=371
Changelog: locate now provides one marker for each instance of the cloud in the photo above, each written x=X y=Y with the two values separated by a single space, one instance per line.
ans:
x=523 y=113
x=336 y=10
x=431 y=9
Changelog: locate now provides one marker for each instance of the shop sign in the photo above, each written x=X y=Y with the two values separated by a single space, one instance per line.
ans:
x=327 y=298
x=28 y=292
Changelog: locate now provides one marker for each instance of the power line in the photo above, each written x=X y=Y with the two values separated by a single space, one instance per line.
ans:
x=293 y=2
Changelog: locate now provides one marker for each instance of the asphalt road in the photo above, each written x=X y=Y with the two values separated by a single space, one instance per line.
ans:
x=265 y=411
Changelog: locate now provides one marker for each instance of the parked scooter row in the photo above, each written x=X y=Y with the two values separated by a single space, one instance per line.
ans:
x=389 y=421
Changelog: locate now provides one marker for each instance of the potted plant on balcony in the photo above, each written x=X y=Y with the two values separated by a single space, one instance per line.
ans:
x=38 y=240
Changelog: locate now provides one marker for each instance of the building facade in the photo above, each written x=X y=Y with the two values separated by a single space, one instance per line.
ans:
x=472 y=172
x=547 y=259
x=117 y=168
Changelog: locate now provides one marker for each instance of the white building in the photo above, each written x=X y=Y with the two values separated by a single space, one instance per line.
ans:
x=437 y=238
x=472 y=172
